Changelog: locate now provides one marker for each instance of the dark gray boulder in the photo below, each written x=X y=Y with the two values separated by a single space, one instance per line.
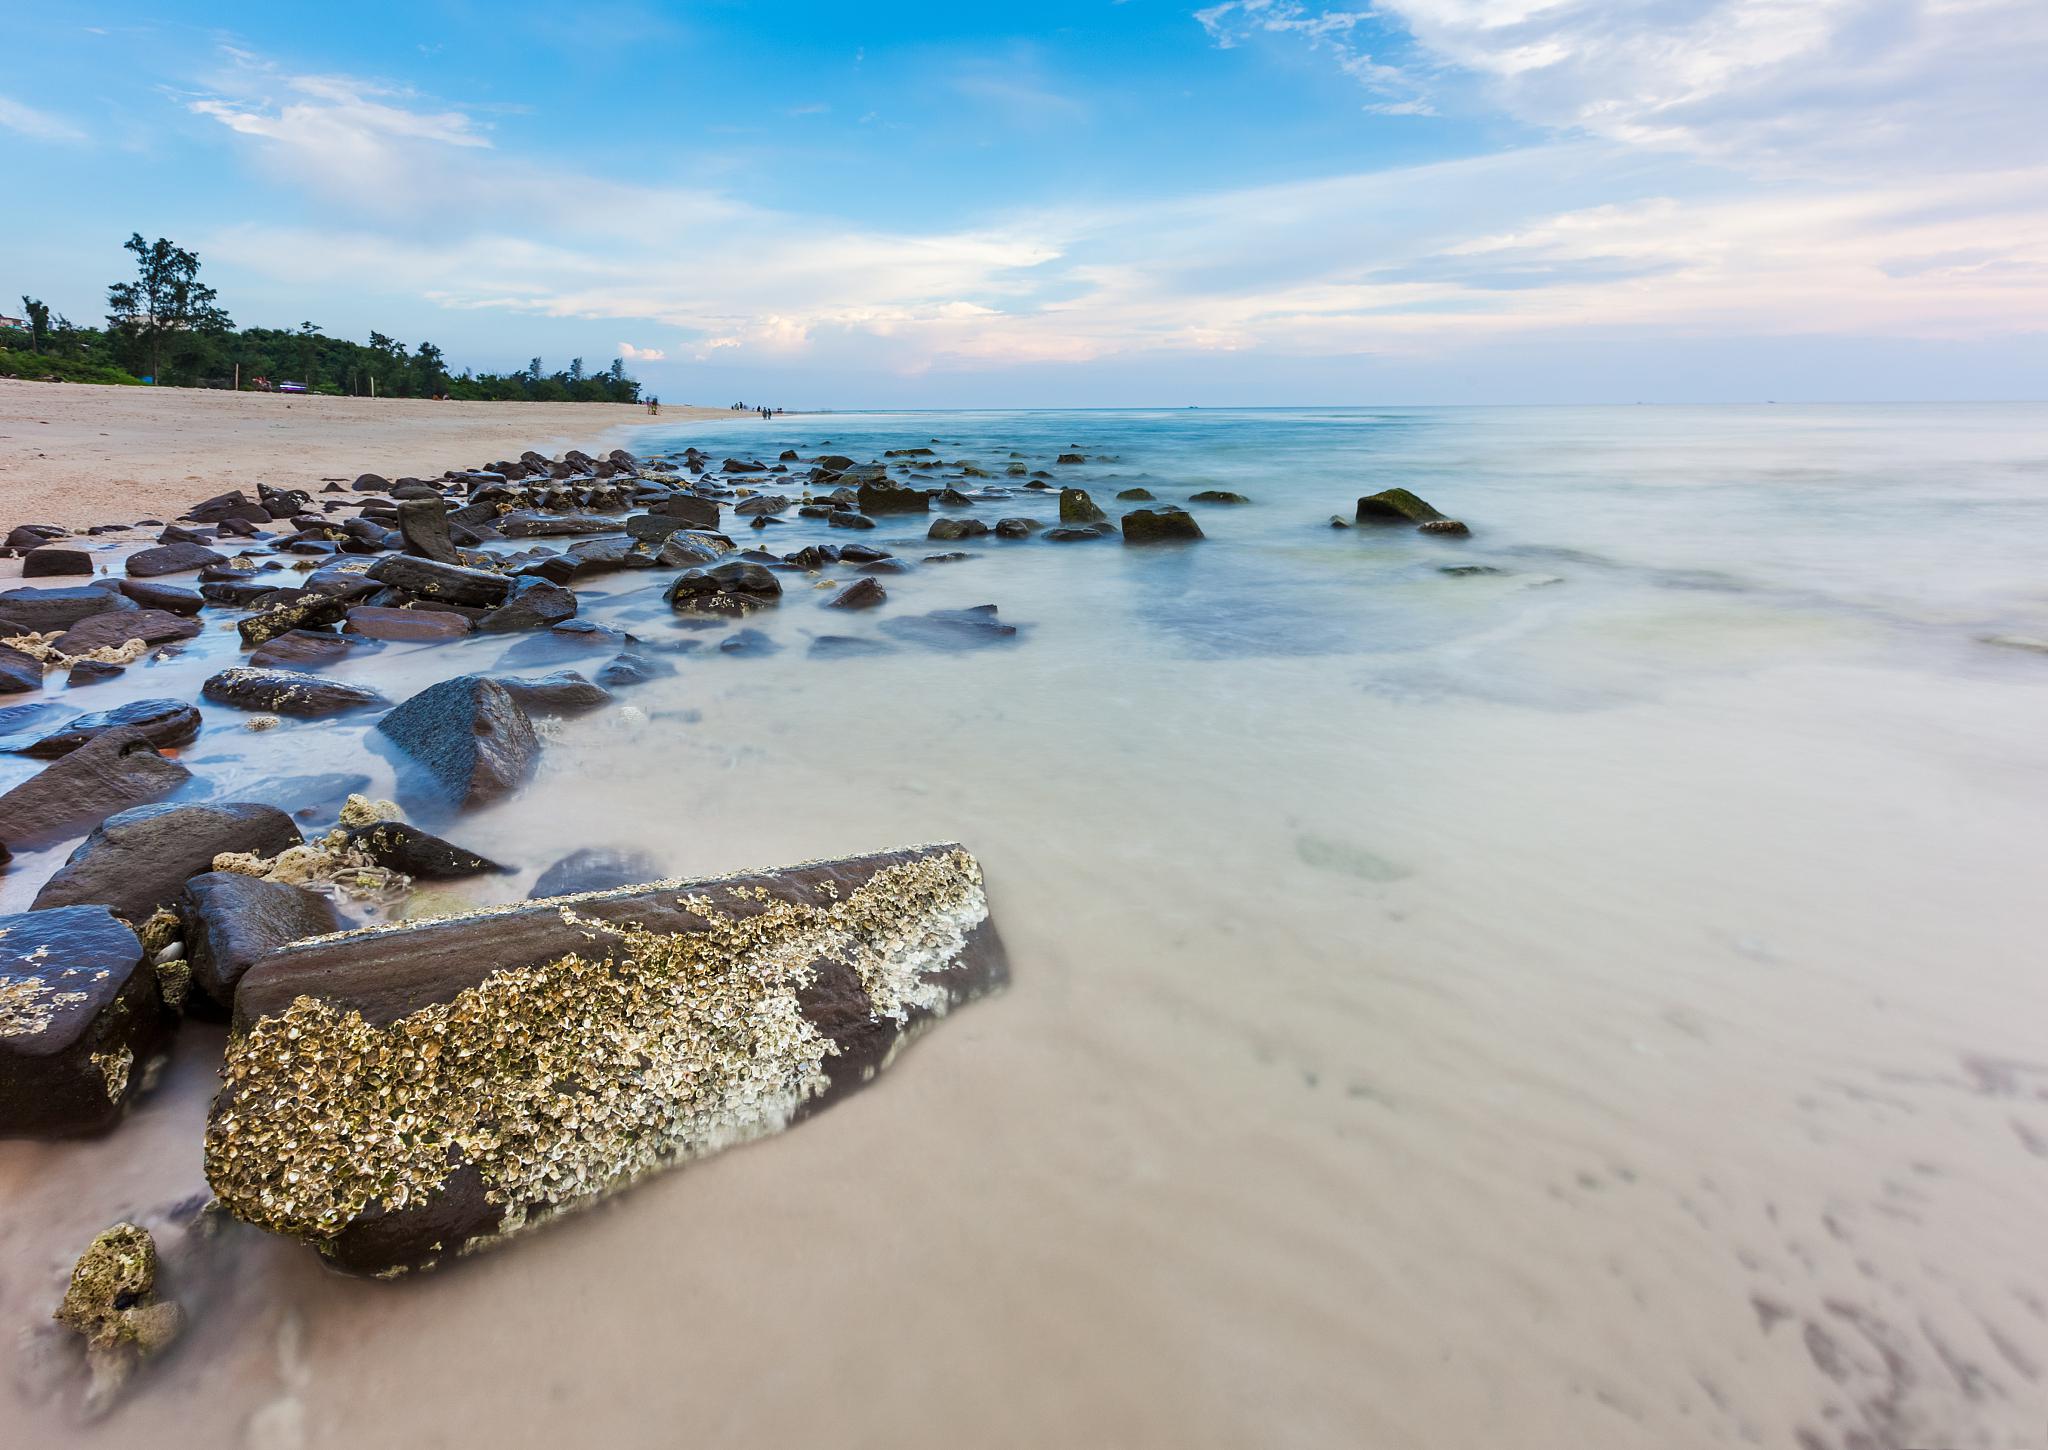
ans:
x=54 y=561
x=376 y=622
x=308 y=611
x=1136 y=495
x=1017 y=528
x=597 y=868
x=19 y=673
x=233 y=921
x=565 y=692
x=171 y=559
x=467 y=739
x=305 y=649
x=953 y=629
x=397 y=1096
x=629 y=668
x=423 y=525
x=81 y=1015
x=164 y=723
x=694 y=512
x=444 y=583
x=170 y=597
x=44 y=610
x=732 y=588
x=1444 y=528
x=288 y=692
x=1217 y=495
x=532 y=604
x=953 y=530
x=116 y=627
x=1077 y=508
x=1160 y=526
x=861 y=594
x=424 y=857
x=140 y=859
x=1395 y=506
x=882 y=496
x=762 y=503
x=109 y=773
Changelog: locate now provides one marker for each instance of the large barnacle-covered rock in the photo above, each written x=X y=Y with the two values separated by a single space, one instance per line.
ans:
x=401 y=1093
x=80 y=1016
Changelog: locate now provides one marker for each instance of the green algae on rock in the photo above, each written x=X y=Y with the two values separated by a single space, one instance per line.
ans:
x=398 y=1094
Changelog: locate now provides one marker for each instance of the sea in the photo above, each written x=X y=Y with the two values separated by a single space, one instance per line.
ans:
x=1576 y=985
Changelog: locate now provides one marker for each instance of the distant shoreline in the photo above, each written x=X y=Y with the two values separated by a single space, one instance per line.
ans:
x=78 y=454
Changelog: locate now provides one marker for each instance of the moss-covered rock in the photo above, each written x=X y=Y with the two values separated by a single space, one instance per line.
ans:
x=1395 y=506
x=1077 y=508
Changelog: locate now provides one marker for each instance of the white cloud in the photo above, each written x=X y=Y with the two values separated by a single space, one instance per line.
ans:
x=640 y=354
x=37 y=125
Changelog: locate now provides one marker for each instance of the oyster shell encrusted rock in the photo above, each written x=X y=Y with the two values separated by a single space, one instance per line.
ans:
x=401 y=1093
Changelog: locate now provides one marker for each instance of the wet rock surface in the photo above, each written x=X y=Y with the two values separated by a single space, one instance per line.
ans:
x=80 y=1017
x=232 y=921
x=166 y=724
x=139 y=860
x=596 y=868
x=676 y=1018
x=468 y=739
x=108 y=774
x=408 y=849
x=288 y=692
x=1158 y=526
x=737 y=587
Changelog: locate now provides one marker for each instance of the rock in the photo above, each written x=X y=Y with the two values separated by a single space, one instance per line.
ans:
x=847 y=519
x=694 y=512
x=151 y=595
x=564 y=692
x=847 y=646
x=813 y=557
x=952 y=530
x=731 y=588
x=375 y=622
x=165 y=724
x=371 y=483
x=109 y=773
x=596 y=868
x=309 y=611
x=442 y=583
x=20 y=673
x=861 y=553
x=953 y=629
x=112 y=1302
x=628 y=668
x=223 y=507
x=305 y=649
x=92 y=672
x=399 y=847
x=44 y=610
x=117 y=626
x=1137 y=495
x=288 y=692
x=50 y=561
x=1395 y=506
x=1077 y=508
x=742 y=465
x=423 y=525
x=140 y=859
x=952 y=557
x=80 y=1016
x=397 y=1096
x=469 y=738
x=171 y=559
x=1451 y=528
x=1078 y=533
x=523 y=524
x=32 y=536
x=1217 y=495
x=748 y=644
x=1016 y=528
x=310 y=797
x=233 y=921
x=881 y=496
x=1338 y=521
x=861 y=594
x=1159 y=526
x=1071 y=458
x=764 y=503
x=532 y=604
x=681 y=551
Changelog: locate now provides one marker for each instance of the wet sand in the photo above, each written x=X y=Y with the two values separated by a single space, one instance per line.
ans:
x=78 y=455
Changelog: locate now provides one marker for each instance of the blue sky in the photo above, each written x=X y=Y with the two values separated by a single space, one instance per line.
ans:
x=1253 y=201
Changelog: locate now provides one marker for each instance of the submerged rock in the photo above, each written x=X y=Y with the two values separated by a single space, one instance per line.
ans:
x=596 y=868
x=233 y=920
x=1077 y=508
x=469 y=737
x=1395 y=506
x=565 y=692
x=305 y=649
x=881 y=496
x=1159 y=526
x=1217 y=495
x=398 y=1095
x=861 y=594
x=734 y=588
x=166 y=724
x=1450 y=528
x=288 y=692
x=948 y=531
x=109 y=773
x=953 y=629
x=140 y=859
x=80 y=1017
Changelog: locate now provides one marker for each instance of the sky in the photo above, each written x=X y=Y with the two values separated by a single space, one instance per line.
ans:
x=1076 y=202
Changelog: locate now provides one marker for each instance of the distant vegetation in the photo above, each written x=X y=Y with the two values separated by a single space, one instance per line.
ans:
x=168 y=325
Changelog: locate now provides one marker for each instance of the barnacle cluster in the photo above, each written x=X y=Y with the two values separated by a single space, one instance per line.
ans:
x=29 y=1004
x=562 y=1081
x=329 y=865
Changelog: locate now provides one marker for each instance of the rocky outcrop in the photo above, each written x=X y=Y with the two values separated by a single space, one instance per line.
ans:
x=953 y=629
x=398 y=1095
x=80 y=1017
x=881 y=496
x=467 y=739
x=140 y=859
x=1395 y=506
x=1160 y=526
x=1077 y=508
x=288 y=692
x=1217 y=495
x=109 y=773
x=732 y=588
x=232 y=921
x=423 y=526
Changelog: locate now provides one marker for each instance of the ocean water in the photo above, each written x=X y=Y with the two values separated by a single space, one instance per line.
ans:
x=1578 y=985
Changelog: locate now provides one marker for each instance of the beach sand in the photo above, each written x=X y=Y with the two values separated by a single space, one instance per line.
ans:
x=78 y=455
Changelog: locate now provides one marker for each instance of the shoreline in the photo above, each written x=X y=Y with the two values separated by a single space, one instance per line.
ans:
x=76 y=455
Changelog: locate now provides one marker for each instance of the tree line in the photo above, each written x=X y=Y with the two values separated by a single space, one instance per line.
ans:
x=164 y=324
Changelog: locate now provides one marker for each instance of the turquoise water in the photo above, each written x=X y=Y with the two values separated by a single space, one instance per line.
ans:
x=1594 y=1001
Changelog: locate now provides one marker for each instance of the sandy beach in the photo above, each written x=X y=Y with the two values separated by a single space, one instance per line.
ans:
x=78 y=455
